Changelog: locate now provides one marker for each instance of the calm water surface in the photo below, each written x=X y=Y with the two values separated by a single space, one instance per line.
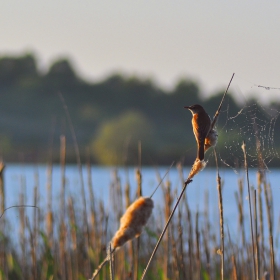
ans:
x=20 y=179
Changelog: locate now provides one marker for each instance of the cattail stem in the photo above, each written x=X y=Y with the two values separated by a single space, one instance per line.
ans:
x=220 y=106
x=165 y=228
x=220 y=196
x=250 y=204
x=98 y=269
x=111 y=259
x=269 y=219
x=256 y=237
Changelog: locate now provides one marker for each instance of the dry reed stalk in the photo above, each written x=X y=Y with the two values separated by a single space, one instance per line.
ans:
x=111 y=261
x=33 y=271
x=234 y=269
x=49 y=215
x=260 y=216
x=69 y=266
x=197 y=235
x=73 y=234
x=62 y=250
x=241 y=225
x=139 y=182
x=63 y=180
x=272 y=262
x=241 y=211
x=221 y=214
x=234 y=275
x=176 y=262
x=117 y=206
x=206 y=250
x=35 y=229
x=270 y=231
x=3 y=221
x=127 y=191
x=190 y=243
x=250 y=205
x=206 y=234
x=127 y=203
x=2 y=189
x=215 y=118
x=168 y=202
x=94 y=230
x=22 y=224
x=257 y=260
x=138 y=194
x=62 y=226
x=181 y=244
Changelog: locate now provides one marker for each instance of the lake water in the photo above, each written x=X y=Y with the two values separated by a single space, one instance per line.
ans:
x=23 y=178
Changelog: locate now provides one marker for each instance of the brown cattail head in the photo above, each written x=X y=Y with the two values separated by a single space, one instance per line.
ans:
x=197 y=167
x=133 y=220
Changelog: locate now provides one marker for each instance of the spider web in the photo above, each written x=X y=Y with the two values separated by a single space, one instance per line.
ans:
x=257 y=125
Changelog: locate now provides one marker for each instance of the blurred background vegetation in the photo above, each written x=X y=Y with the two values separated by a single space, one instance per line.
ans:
x=110 y=117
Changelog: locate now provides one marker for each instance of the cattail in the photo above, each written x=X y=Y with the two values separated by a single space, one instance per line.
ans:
x=133 y=220
x=197 y=167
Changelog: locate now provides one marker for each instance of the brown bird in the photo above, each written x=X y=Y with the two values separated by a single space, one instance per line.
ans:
x=201 y=123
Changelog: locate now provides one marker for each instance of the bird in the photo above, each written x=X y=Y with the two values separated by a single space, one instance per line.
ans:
x=201 y=124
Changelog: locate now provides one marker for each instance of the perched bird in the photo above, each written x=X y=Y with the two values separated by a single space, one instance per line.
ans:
x=201 y=124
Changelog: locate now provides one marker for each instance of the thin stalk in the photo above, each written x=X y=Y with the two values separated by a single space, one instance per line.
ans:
x=62 y=227
x=234 y=266
x=98 y=269
x=35 y=229
x=49 y=216
x=256 y=237
x=250 y=204
x=197 y=234
x=2 y=189
x=260 y=215
x=23 y=226
x=220 y=197
x=168 y=202
x=269 y=220
x=190 y=243
x=2 y=225
x=220 y=106
x=111 y=259
x=73 y=236
x=165 y=228
x=137 y=242
x=93 y=233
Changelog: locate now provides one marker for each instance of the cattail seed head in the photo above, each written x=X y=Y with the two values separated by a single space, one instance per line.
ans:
x=133 y=220
x=197 y=167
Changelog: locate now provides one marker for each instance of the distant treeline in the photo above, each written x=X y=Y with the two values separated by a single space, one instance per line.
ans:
x=110 y=118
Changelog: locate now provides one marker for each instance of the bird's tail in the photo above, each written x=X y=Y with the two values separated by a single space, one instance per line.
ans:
x=200 y=150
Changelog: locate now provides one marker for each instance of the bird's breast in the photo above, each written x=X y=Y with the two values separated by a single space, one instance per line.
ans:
x=201 y=124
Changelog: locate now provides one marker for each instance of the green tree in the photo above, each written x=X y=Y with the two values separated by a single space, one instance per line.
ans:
x=116 y=141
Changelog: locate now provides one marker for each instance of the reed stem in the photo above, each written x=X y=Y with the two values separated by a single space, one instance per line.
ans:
x=165 y=228
x=250 y=204
x=221 y=213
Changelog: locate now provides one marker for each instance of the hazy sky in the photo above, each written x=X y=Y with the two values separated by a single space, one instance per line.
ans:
x=165 y=40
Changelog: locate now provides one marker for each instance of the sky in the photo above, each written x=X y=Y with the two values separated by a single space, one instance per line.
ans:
x=165 y=40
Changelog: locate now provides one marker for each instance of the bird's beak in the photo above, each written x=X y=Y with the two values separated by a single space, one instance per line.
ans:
x=187 y=107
